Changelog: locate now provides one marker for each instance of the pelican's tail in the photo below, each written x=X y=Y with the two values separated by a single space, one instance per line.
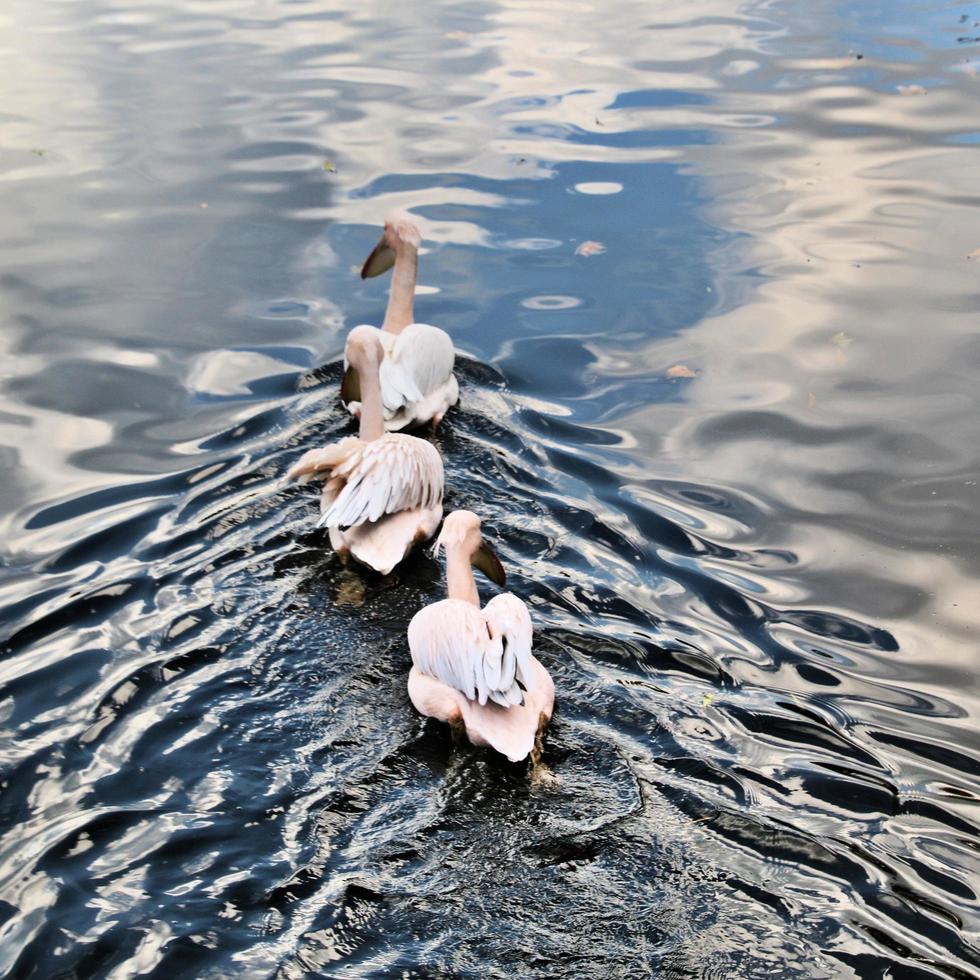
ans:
x=510 y=731
x=385 y=543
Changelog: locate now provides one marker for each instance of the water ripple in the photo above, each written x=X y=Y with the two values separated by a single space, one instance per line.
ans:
x=728 y=461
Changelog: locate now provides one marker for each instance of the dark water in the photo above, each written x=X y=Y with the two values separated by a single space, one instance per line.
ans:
x=755 y=587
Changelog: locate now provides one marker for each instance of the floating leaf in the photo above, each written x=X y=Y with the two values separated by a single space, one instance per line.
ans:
x=681 y=371
x=543 y=778
x=38 y=152
x=328 y=165
x=457 y=35
x=974 y=255
x=841 y=340
x=590 y=248
x=350 y=590
x=911 y=90
x=203 y=204
x=811 y=399
x=706 y=700
x=705 y=819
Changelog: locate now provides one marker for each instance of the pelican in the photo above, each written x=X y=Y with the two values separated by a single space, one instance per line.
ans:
x=382 y=493
x=417 y=380
x=473 y=667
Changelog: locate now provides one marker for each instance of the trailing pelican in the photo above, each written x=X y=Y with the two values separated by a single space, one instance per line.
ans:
x=473 y=667
x=417 y=380
x=382 y=493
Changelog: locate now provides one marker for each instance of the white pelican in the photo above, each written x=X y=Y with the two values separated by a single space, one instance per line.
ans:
x=473 y=667
x=383 y=490
x=417 y=380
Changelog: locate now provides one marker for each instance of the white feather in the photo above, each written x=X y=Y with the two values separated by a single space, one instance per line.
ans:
x=417 y=380
x=390 y=474
x=483 y=654
x=508 y=619
x=381 y=497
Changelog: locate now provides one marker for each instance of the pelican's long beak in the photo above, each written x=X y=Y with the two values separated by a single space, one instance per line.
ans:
x=486 y=560
x=350 y=386
x=380 y=260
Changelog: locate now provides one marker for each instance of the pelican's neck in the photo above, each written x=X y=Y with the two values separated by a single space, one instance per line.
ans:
x=460 y=583
x=401 y=298
x=372 y=411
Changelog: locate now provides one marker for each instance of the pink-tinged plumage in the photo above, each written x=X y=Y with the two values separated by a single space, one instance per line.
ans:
x=382 y=492
x=473 y=667
x=417 y=380
x=510 y=731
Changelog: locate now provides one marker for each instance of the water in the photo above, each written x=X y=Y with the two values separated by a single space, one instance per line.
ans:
x=753 y=577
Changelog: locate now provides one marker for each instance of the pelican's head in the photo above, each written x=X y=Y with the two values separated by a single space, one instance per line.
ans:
x=364 y=347
x=401 y=231
x=364 y=353
x=461 y=530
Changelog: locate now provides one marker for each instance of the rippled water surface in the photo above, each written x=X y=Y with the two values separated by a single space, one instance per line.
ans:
x=729 y=454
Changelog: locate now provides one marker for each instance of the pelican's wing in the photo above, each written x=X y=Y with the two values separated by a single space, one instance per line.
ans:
x=509 y=622
x=450 y=641
x=417 y=361
x=387 y=475
x=320 y=463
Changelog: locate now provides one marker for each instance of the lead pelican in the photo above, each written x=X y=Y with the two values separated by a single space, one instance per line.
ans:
x=417 y=380
x=473 y=667
x=382 y=493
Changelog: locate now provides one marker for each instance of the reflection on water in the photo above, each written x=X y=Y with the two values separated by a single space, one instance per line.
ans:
x=711 y=266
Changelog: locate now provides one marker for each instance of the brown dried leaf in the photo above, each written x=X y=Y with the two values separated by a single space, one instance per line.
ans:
x=911 y=90
x=681 y=371
x=811 y=399
x=350 y=590
x=710 y=816
x=590 y=248
x=974 y=255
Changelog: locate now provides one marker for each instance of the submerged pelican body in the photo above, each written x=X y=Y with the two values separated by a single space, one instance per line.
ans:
x=417 y=380
x=473 y=667
x=382 y=492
